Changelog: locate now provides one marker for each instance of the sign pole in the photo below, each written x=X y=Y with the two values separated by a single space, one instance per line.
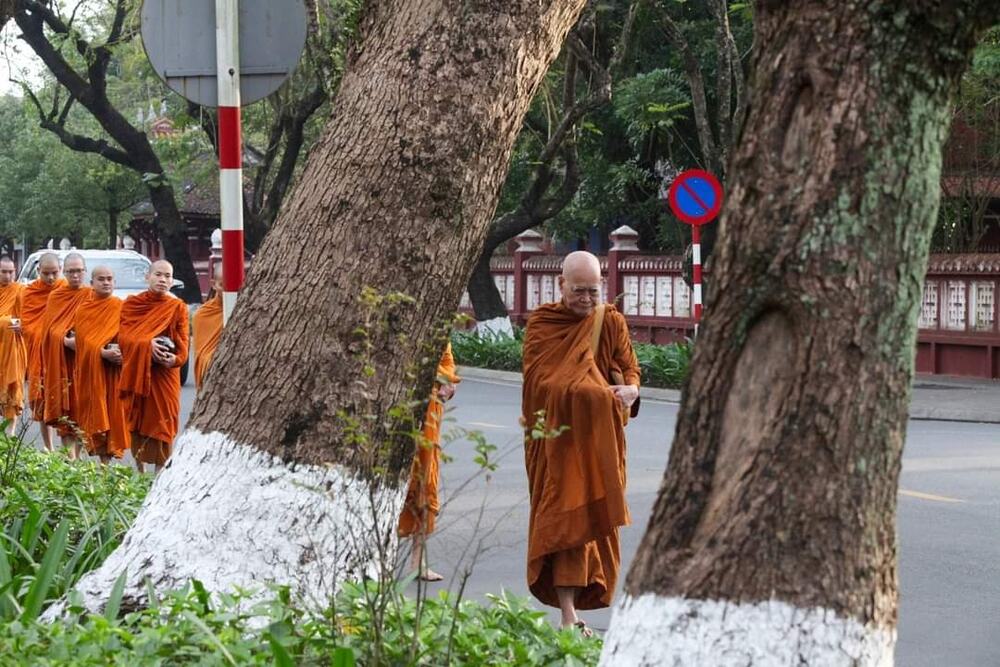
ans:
x=696 y=272
x=227 y=51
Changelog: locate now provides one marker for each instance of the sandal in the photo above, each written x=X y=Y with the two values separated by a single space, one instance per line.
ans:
x=430 y=575
x=584 y=630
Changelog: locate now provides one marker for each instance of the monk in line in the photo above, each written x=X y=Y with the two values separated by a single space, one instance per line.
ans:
x=576 y=475
x=422 y=504
x=151 y=376
x=57 y=359
x=98 y=409
x=207 y=326
x=13 y=356
x=36 y=299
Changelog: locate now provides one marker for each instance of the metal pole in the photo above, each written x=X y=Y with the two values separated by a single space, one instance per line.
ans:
x=227 y=53
x=696 y=270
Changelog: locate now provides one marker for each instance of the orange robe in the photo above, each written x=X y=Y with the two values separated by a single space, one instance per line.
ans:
x=207 y=325
x=576 y=478
x=150 y=392
x=35 y=301
x=98 y=410
x=13 y=355
x=57 y=359
x=422 y=504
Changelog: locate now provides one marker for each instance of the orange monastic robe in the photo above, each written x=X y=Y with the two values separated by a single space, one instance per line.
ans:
x=35 y=301
x=152 y=393
x=13 y=355
x=422 y=504
x=98 y=410
x=576 y=477
x=57 y=359
x=207 y=325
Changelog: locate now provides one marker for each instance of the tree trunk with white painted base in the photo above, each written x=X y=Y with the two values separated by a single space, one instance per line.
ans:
x=773 y=538
x=298 y=446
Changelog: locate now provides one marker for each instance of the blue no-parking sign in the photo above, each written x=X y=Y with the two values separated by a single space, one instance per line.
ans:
x=696 y=197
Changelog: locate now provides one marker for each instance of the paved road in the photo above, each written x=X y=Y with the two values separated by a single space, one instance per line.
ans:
x=949 y=520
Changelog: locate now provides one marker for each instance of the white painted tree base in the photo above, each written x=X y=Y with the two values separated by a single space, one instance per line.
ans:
x=229 y=515
x=498 y=326
x=674 y=632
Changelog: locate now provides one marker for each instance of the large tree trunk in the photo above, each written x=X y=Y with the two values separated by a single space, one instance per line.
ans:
x=7 y=9
x=291 y=468
x=773 y=538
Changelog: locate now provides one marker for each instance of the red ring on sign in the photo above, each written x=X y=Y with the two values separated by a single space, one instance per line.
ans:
x=679 y=182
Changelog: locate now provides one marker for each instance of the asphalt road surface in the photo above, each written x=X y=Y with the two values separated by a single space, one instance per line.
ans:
x=949 y=520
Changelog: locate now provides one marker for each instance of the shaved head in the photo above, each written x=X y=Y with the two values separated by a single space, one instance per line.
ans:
x=102 y=279
x=48 y=268
x=7 y=271
x=580 y=282
x=75 y=270
x=160 y=277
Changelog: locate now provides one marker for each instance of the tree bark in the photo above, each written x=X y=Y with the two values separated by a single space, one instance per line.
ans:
x=7 y=9
x=773 y=538
x=292 y=466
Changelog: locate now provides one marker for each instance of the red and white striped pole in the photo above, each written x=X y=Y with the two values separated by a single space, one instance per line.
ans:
x=696 y=271
x=227 y=54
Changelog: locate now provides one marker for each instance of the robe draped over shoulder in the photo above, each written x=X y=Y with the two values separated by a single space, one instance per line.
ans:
x=207 y=329
x=35 y=301
x=57 y=359
x=13 y=353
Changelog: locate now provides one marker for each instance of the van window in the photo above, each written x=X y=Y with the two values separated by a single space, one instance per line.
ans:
x=130 y=272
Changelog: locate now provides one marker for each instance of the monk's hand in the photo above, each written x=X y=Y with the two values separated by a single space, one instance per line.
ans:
x=113 y=356
x=162 y=355
x=626 y=394
x=15 y=326
x=446 y=391
x=70 y=342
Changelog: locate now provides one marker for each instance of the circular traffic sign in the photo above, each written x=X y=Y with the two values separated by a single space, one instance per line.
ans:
x=696 y=197
x=179 y=38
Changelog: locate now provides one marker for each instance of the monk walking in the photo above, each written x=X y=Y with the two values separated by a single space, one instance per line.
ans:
x=422 y=504
x=580 y=372
x=35 y=301
x=207 y=327
x=98 y=410
x=154 y=342
x=13 y=356
x=57 y=358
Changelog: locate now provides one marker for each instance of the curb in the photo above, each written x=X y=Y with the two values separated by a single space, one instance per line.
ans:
x=674 y=396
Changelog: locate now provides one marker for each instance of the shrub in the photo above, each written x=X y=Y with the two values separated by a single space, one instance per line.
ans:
x=190 y=627
x=58 y=520
x=662 y=365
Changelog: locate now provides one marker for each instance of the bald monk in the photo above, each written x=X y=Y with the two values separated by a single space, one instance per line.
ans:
x=98 y=409
x=207 y=329
x=576 y=476
x=151 y=377
x=422 y=505
x=35 y=301
x=13 y=355
x=57 y=358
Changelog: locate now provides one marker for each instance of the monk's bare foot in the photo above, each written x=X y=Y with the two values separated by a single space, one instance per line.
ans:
x=582 y=627
x=430 y=575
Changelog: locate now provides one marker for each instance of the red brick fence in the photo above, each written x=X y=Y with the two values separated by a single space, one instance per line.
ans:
x=958 y=335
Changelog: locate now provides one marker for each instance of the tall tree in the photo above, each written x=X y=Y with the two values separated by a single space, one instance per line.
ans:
x=48 y=32
x=773 y=538
x=556 y=174
x=297 y=448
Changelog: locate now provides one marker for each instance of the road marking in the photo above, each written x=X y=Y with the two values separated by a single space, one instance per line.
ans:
x=486 y=425
x=929 y=496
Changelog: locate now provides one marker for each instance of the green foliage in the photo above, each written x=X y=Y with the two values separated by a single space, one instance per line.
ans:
x=190 y=627
x=650 y=104
x=497 y=351
x=662 y=365
x=58 y=520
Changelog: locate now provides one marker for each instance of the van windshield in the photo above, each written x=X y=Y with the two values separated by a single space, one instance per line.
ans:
x=130 y=273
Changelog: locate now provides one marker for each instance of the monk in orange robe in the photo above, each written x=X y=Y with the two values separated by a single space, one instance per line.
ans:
x=34 y=303
x=98 y=409
x=13 y=356
x=57 y=358
x=575 y=442
x=422 y=504
x=207 y=328
x=151 y=371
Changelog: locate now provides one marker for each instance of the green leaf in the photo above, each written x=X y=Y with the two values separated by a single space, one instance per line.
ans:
x=115 y=599
x=281 y=655
x=38 y=592
x=343 y=657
